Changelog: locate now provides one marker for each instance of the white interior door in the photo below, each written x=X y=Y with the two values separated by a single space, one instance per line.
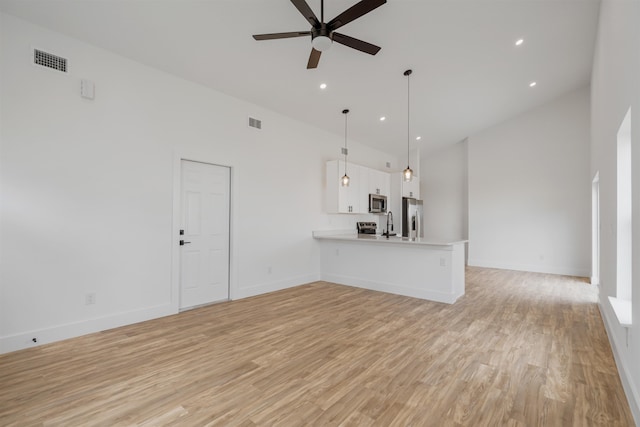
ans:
x=204 y=256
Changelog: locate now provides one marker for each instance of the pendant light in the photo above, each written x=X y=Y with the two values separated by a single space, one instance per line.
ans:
x=345 y=179
x=408 y=173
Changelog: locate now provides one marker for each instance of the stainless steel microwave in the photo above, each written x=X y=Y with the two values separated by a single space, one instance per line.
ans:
x=377 y=203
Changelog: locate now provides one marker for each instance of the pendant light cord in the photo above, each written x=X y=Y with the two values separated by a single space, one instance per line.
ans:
x=345 y=144
x=408 y=173
x=345 y=112
x=408 y=115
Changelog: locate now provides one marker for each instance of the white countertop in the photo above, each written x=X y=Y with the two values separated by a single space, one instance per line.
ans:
x=378 y=239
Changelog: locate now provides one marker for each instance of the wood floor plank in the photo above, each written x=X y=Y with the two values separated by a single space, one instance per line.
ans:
x=519 y=349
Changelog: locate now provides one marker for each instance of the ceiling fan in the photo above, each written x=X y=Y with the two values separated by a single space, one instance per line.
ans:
x=323 y=34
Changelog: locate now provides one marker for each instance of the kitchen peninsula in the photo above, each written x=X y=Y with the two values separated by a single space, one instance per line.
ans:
x=420 y=268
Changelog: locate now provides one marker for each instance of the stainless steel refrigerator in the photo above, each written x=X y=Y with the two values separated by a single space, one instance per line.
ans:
x=412 y=215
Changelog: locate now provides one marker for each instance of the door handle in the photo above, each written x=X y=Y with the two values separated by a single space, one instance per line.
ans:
x=182 y=243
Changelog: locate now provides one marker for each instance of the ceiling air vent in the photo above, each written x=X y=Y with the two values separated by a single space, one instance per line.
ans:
x=49 y=60
x=255 y=123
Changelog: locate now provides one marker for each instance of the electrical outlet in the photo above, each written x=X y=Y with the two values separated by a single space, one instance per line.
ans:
x=628 y=329
x=443 y=262
x=337 y=252
x=269 y=270
x=90 y=298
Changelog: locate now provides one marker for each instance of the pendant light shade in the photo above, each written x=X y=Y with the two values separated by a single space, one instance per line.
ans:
x=345 y=179
x=408 y=172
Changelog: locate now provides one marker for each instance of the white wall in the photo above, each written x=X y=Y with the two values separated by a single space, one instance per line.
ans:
x=615 y=86
x=87 y=188
x=530 y=190
x=443 y=187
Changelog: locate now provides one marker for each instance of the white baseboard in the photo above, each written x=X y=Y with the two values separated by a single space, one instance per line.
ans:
x=391 y=288
x=621 y=362
x=276 y=285
x=71 y=330
x=534 y=268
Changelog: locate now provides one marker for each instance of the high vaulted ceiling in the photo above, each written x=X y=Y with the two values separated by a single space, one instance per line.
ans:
x=468 y=73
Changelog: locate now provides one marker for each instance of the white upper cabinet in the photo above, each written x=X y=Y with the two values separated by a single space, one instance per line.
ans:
x=411 y=188
x=379 y=182
x=400 y=189
x=342 y=199
x=355 y=197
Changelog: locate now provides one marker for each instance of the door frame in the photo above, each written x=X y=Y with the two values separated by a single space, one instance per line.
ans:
x=175 y=228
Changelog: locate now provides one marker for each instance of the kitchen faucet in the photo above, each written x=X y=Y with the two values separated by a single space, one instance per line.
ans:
x=389 y=221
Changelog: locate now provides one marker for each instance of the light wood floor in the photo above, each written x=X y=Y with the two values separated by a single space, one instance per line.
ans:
x=519 y=349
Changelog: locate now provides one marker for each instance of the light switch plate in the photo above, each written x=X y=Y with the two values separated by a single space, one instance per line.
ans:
x=87 y=89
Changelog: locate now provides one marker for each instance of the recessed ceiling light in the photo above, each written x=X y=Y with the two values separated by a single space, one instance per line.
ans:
x=519 y=42
x=323 y=86
x=383 y=118
x=418 y=138
x=532 y=84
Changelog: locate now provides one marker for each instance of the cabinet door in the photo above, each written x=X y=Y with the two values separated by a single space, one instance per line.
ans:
x=348 y=199
x=342 y=199
x=411 y=188
x=379 y=182
x=356 y=195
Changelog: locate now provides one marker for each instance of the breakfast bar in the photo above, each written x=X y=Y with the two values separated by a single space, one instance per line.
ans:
x=424 y=268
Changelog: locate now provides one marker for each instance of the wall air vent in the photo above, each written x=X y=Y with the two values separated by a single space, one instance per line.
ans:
x=49 y=60
x=255 y=123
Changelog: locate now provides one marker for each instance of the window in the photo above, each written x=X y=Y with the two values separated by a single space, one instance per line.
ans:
x=622 y=302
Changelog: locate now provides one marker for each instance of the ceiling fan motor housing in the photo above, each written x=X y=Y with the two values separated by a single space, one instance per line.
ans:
x=321 y=38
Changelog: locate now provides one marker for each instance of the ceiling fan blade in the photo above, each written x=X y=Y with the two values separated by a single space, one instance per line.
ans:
x=314 y=58
x=281 y=35
x=354 y=12
x=306 y=11
x=360 y=45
